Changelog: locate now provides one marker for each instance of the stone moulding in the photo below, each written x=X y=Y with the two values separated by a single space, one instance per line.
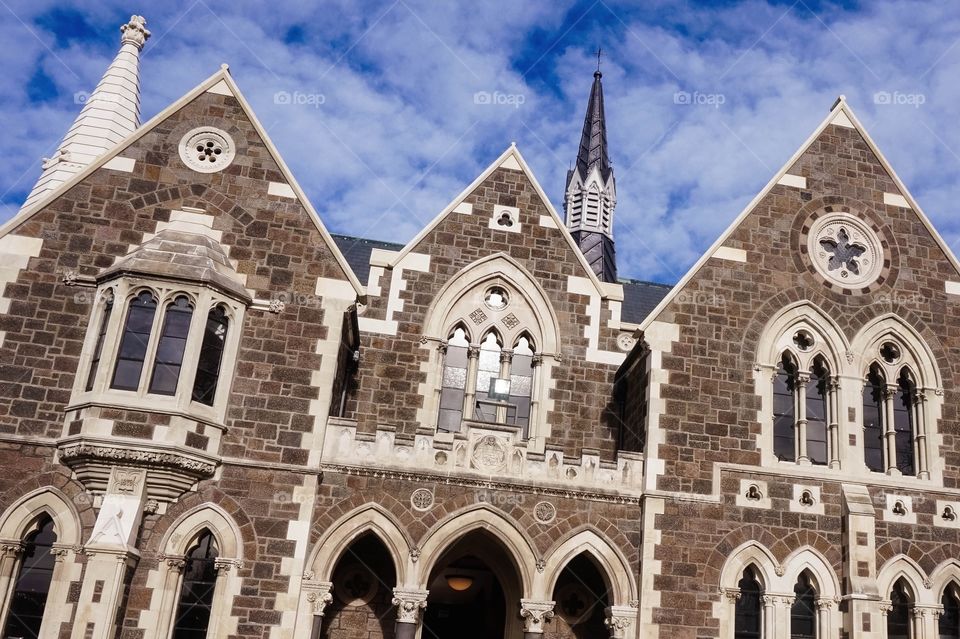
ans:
x=135 y=456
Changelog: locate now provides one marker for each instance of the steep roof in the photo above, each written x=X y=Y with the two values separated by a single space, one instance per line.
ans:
x=593 y=139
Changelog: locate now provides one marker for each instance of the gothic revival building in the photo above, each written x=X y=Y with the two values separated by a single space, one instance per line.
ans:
x=218 y=420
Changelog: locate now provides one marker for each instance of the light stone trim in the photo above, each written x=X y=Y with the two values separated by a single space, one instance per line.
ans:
x=796 y=506
x=584 y=286
x=512 y=212
x=547 y=222
x=281 y=189
x=660 y=337
x=796 y=181
x=890 y=502
x=15 y=254
x=650 y=567
x=895 y=199
x=535 y=614
x=841 y=119
x=730 y=254
x=754 y=486
x=465 y=208
x=410 y=262
x=220 y=88
x=952 y=288
x=188 y=220
x=118 y=163
x=942 y=505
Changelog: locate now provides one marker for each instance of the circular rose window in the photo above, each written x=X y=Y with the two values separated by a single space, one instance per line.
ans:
x=207 y=150
x=845 y=250
x=496 y=298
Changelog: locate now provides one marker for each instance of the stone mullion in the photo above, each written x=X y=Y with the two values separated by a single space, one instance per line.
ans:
x=170 y=594
x=10 y=554
x=825 y=617
x=410 y=604
x=801 y=446
x=889 y=433
x=536 y=389
x=506 y=358
x=920 y=436
x=833 y=404
x=769 y=616
x=470 y=392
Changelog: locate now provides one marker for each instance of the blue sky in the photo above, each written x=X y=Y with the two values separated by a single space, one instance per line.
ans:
x=383 y=126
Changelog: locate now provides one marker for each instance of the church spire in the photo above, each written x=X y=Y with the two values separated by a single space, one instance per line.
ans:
x=109 y=114
x=591 y=194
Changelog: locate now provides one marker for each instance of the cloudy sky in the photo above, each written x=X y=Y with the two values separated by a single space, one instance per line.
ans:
x=374 y=104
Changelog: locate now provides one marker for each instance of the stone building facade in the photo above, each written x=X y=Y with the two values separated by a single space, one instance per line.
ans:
x=219 y=420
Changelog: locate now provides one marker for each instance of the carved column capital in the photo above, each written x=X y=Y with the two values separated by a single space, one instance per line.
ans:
x=825 y=603
x=535 y=613
x=409 y=603
x=319 y=596
x=11 y=548
x=174 y=563
x=619 y=619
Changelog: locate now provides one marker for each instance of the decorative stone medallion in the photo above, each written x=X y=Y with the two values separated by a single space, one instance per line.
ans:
x=845 y=250
x=489 y=454
x=207 y=149
x=545 y=512
x=356 y=586
x=626 y=341
x=421 y=499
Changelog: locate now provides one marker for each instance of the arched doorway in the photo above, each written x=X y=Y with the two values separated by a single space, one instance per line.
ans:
x=363 y=583
x=474 y=592
x=582 y=596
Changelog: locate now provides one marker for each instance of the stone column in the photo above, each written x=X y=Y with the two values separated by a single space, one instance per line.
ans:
x=534 y=614
x=318 y=594
x=920 y=436
x=859 y=562
x=769 y=615
x=833 y=421
x=825 y=618
x=619 y=621
x=889 y=433
x=470 y=391
x=409 y=603
x=10 y=552
x=802 y=380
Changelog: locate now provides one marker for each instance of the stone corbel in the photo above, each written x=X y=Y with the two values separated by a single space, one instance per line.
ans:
x=319 y=596
x=618 y=620
x=534 y=614
x=409 y=603
x=222 y=565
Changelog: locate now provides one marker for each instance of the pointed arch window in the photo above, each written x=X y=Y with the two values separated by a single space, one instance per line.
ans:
x=197 y=589
x=804 y=412
x=171 y=347
x=803 y=611
x=948 y=626
x=748 y=620
x=903 y=424
x=101 y=336
x=488 y=395
x=134 y=343
x=521 y=383
x=898 y=616
x=785 y=409
x=873 y=421
x=32 y=585
x=211 y=356
x=454 y=383
x=818 y=412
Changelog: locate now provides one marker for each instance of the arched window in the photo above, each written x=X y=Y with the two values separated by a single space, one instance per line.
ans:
x=817 y=412
x=903 y=426
x=211 y=357
x=784 y=409
x=488 y=376
x=748 y=622
x=173 y=343
x=521 y=383
x=898 y=617
x=197 y=589
x=949 y=623
x=133 y=344
x=101 y=335
x=873 y=420
x=454 y=384
x=33 y=582
x=803 y=612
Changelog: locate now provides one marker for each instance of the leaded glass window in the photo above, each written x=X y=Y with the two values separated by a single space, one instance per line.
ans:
x=173 y=343
x=454 y=383
x=32 y=586
x=803 y=612
x=488 y=369
x=903 y=426
x=873 y=428
x=134 y=343
x=817 y=402
x=197 y=589
x=521 y=383
x=898 y=618
x=748 y=623
x=101 y=335
x=211 y=357
x=784 y=410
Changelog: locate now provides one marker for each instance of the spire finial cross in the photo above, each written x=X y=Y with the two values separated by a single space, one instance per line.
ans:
x=599 y=53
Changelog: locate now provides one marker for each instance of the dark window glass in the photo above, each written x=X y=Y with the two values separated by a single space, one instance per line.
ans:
x=747 y=620
x=454 y=382
x=33 y=583
x=173 y=342
x=803 y=612
x=521 y=384
x=784 y=410
x=817 y=408
x=949 y=623
x=211 y=356
x=903 y=425
x=873 y=422
x=898 y=619
x=133 y=344
x=196 y=590
x=98 y=350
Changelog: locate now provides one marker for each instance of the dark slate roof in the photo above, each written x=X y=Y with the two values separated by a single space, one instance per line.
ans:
x=357 y=252
x=593 y=139
x=639 y=297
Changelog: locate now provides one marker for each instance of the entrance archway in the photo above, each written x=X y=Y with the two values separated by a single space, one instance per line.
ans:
x=363 y=583
x=475 y=592
x=582 y=596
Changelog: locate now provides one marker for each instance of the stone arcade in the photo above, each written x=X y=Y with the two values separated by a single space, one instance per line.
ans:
x=219 y=420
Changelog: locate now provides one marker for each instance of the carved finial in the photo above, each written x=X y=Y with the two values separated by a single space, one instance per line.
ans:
x=135 y=32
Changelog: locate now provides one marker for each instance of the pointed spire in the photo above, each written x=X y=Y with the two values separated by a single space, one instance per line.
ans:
x=591 y=193
x=109 y=114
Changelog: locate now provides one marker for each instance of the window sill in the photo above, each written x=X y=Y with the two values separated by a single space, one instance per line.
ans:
x=158 y=404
